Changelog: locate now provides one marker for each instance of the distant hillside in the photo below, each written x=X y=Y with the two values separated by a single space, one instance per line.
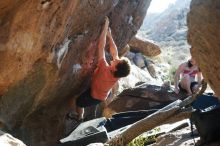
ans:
x=168 y=26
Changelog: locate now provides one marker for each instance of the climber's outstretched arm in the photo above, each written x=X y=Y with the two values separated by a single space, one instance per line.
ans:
x=102 y=40
x=113 y=47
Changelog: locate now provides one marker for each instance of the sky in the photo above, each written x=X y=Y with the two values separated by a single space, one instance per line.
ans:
x=158 y=6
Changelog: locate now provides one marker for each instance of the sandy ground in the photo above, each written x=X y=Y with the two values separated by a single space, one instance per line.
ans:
x=181 y=137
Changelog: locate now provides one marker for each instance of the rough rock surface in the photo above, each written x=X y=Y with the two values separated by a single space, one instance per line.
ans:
x=204 y=36
x=180 y=137
x=141 y=97
x=47 y=55
x=124 y=50
x=143 y=46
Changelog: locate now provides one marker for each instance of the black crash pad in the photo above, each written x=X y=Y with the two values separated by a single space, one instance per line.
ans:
x=87 y=132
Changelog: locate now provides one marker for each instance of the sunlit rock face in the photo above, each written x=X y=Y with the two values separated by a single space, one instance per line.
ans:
x=144 y=46
x=47 y=55
x=204 y=36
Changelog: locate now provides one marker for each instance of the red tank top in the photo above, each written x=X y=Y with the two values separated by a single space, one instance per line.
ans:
x=102 y=81
x=191 y=73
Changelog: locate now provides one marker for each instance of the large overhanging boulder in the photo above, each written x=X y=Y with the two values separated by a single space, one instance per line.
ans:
x=204 y=36
x=47 y=55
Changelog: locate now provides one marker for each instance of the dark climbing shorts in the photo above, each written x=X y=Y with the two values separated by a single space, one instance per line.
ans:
x=191 y=86
x=86 y=100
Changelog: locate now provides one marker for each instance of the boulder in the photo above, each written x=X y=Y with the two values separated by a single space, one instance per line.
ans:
x=47 y=56
x=139 y=60
x=142 y=97
x=144 y=46
x=203 y=35
x=130 y=55
x=124 y=50
x=151 y=69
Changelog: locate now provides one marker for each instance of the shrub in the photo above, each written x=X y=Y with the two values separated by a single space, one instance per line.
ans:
x=171 y=74
x=145 y=140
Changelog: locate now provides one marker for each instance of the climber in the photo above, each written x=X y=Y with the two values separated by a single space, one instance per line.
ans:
x=189 y=71
x=105 y=75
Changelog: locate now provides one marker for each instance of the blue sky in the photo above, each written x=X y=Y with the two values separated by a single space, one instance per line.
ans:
x=158 y=6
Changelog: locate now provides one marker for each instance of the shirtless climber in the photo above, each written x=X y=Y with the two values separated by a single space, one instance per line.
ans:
x=188 y=71
x=105 y=75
